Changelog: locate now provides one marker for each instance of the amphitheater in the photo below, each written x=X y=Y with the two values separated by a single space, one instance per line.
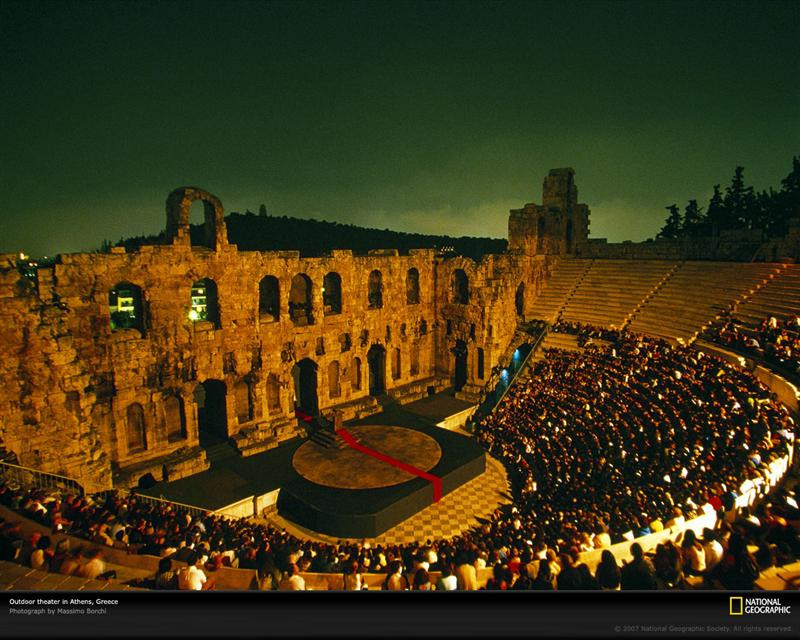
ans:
x=221 y=357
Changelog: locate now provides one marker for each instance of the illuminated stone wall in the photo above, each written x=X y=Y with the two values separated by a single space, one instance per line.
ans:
x=109 y=405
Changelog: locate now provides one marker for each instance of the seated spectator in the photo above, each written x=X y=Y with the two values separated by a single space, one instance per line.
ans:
x=639 y=573
x=293 y=580
x=166 y=577
x=192 y=577
x=607 y=573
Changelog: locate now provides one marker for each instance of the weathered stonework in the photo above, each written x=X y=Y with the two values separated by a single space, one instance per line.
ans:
x=108 y=406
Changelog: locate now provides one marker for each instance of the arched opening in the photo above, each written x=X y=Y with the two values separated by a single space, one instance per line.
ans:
x=202 y=224
x=376 y=361
x=212 y=412
x=334 y=388
x=244 y=405
x=459 y=287
x=332 y=293
x=175 y=418
x=375 y=290
x=480 y=367
x=356 y=374
x=300 y=307
x=273 y=394
x=205 y=302
x=304 y=374
x=540 y=234
x=569 y=236
x=519 y=299
x=269 y=299
x=125 y=307
x=396 y=364
x=412 y=286
x=414 y=365
x=147 y=481
x=136 y=431
x=460 y=365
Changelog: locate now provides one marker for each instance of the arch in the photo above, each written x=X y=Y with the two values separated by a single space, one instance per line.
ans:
x=481 y=364
x=356 y=374
x=300 y=301
x=273 y=394
x=179 y=204
x=519 y=299
x=414 y=364
x=412 y=286
x=460 y=365
x=397 y=369
x=244 y=405
x=135 y=428
x=334 y=388
x=332 y=293
x=126 y=307
x=210 y=396
x=569 y=236
x=540 y=229
x=205 y=302
x=459 y=287
x=269 y=299
x=304 y=374
x=376 y=361
x=375 y=290
x=175 y=418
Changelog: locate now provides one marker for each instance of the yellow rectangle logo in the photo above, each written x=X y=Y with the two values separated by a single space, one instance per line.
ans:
x=737 y=605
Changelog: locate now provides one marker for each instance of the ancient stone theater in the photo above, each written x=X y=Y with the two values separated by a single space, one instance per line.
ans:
x=118 y=365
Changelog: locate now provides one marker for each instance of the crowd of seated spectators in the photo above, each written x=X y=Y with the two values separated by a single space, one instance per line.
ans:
x=600 y=446
x=777 y=342
x=587 y=332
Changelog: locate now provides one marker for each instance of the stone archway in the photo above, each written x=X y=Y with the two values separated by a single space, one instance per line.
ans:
x=212 y=414
x=376 y=359
x=460 y=367
x=304 y=374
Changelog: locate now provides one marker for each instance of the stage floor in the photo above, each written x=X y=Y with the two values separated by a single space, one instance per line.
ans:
x=351 y=485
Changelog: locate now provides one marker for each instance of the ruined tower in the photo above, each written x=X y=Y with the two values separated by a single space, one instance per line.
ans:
x=556 y=227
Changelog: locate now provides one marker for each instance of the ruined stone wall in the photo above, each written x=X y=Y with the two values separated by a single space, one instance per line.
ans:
x=108 y=406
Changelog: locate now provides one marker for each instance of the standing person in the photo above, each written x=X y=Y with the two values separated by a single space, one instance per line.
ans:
x=351 y=577
x=466 y=574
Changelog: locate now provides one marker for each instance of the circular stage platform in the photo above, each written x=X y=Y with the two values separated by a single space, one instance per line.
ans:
x=348 y=468
x=383 y=475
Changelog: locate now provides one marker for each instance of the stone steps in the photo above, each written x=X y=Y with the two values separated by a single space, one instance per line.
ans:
x=15 y=577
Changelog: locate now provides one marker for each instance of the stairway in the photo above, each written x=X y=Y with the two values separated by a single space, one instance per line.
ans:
x=220 y=451
x=327 y=439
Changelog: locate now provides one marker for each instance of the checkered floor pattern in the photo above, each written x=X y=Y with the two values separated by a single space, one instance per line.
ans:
x=456 y=512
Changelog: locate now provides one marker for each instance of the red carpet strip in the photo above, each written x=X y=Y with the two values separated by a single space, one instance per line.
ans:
x=436 y=481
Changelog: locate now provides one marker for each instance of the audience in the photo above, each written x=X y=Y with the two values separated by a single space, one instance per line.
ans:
x=630 y=436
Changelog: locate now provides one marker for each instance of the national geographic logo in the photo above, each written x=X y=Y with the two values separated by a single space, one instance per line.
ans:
x=739 y=606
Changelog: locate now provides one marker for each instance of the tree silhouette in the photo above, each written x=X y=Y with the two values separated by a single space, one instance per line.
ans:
x=692 y=218
x=673 y=225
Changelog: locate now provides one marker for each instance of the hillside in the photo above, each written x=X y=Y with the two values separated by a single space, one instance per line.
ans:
x=315 y=238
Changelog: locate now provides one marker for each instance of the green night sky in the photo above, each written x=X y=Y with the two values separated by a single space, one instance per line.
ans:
x=435 y=117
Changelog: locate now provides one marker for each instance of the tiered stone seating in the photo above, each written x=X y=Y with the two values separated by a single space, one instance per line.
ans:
x=780 y=297
x=558 y=288
x=695 y=294
x=612 y=290
x=16 y=577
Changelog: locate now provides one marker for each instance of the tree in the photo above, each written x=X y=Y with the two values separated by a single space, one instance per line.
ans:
x=673 y=224
x=786 y=203
x=717 y=213
x=740 y=201
x=262 y=211
x=692 y=218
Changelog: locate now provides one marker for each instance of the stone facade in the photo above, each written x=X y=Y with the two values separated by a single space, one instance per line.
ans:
x=109 y=403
